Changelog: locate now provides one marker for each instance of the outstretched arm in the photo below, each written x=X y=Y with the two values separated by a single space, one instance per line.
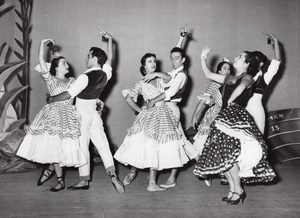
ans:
x=207 y=72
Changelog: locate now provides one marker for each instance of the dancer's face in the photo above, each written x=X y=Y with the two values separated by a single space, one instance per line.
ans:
x=90 y=60
x=239 y=63
x=176 y=60
x=150 y=65
x=225 y=69
x=63 y=67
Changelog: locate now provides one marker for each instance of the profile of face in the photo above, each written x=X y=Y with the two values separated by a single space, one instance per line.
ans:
x=239 y=63
x=150 y=65
x=225 y=69
x=176 y=60
x=63 y=67
x=89 y=60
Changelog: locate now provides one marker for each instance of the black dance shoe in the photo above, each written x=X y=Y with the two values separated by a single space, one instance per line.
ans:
x=241 y=198
x=47 y=174
x=60 y=183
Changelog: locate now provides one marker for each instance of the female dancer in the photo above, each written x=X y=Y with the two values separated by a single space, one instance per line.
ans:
x=154 y=141
x=52 y=138
x=212 y=101
x=255 y=106
x=212 y=98
x=235 y=145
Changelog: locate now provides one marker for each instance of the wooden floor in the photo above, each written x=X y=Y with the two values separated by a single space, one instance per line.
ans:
x=20 y=197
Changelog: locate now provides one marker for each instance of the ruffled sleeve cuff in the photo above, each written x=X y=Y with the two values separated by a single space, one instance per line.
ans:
x=206 y=98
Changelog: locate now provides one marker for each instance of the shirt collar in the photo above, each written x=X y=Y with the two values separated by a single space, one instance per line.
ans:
x=175 y=72
x=93 y=68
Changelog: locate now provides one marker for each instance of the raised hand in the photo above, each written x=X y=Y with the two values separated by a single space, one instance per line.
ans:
x=48 y=42
x=204 y=53
x=273 y=41
x=183 y=31
x=271 y=38
x=104 y=34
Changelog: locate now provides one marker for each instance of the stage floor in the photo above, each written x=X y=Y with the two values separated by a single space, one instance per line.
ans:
x=191 y=198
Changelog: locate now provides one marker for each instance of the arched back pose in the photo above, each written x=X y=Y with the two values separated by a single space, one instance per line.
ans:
x=154 y=140
x=53 y=136
x=235 y=145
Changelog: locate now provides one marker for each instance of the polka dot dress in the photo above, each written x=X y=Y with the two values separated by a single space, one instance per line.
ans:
x=223 y=145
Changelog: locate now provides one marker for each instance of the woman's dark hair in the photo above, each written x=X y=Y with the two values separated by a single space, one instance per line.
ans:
x=143 y=62
x=100 y=54
x=253 y=61
x=220 y=65
x=260 y=56
x=54 y=65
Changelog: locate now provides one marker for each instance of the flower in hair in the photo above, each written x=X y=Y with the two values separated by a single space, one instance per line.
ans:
x=226 y=60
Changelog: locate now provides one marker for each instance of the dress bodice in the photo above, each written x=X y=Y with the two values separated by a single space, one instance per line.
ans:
x=56 y=86
x=229 y=87
x=147 y=90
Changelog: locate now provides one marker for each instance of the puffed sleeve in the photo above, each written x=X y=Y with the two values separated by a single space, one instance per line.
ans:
x=133 y=92
x=45 y=75
x=206 y=97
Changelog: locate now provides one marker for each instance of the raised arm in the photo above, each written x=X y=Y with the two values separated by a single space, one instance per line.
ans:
x=109 y=52
x=41 y=54
x=275 y=46
x=207 y=72
x=274 y=66
x=182 y=35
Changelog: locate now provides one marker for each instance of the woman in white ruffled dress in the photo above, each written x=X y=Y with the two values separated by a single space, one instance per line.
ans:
x=52 y=137
x=154 y=140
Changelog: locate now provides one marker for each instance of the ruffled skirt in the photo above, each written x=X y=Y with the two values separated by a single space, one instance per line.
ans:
x=53 y=137
x=154 y=141
x=234 y=138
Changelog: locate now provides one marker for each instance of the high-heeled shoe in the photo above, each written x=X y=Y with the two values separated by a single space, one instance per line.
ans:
x=241 y=198
x=60 y=181
x=47 y=174
x=227 y=198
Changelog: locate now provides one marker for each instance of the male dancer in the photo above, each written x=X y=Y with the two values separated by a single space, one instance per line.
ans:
x=174 y=90
x=87 y=88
